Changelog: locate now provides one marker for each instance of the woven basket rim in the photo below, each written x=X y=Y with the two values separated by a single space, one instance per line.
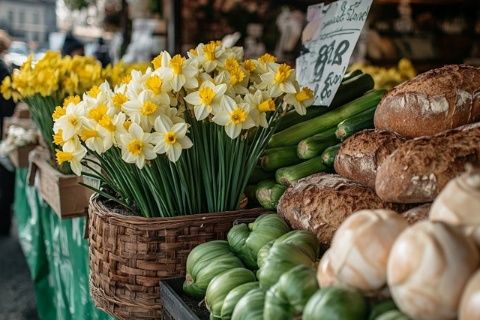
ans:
x=97 y=204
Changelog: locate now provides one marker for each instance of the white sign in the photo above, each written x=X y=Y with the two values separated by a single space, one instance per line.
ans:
x=329 y=39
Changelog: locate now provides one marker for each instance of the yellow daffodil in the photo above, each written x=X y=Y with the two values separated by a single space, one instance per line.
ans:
x=210 y=55
x=137 y=146
x=260 y=103
x=72 y=152
x=143 y=110
x=172 y=138
x=96 y=137
x=300 y=100
x=279 y=80
x=71 y=122
x=208 y=97
x=235 y=117
x=177 y=72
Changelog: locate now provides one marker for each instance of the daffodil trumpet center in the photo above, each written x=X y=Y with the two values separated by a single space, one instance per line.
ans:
x=135 y=147
x=238 y=115
x=206 y=95
x=148 y=108
x=283 y=73
x=170 y=138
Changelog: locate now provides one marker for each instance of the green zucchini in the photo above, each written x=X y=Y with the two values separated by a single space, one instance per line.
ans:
x=356 y=123
x=349 y=90
x=275 y=158
x=352 y=74
x=329 y=154
x=314 y=145
x=289 y=175
x=300 y=131
x=268 y=193
x=259 y=174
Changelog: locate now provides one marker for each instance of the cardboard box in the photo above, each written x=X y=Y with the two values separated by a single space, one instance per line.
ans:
x=62 y=192
x=19 y=156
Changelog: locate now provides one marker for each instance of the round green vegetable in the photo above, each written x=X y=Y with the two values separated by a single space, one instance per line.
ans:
x=206 y=261
x=250 y=307
x=263 y=253
x=303 y=239
x=247 y=240
x=381 y=308
x=288 y=297
x=222 y=284
x=333 y=303
x=281 y=258
x=392 y=315
x=234 y=296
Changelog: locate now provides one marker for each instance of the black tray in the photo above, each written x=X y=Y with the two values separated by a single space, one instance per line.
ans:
x=177 y=305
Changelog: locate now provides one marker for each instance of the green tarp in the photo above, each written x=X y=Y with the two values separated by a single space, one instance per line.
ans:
x=57 y=256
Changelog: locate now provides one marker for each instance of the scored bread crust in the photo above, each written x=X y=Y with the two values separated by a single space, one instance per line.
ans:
x=432 y=102
x=321 y=202
x=361 y=154
x=419 y=169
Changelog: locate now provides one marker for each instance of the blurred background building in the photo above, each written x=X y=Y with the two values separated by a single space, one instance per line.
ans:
x=425 y=31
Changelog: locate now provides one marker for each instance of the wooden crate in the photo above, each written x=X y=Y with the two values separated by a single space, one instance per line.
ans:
x=177 y=305
x=19 y=156
x=62 y=192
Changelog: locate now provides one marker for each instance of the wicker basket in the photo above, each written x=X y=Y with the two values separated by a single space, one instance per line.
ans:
x=129 y=255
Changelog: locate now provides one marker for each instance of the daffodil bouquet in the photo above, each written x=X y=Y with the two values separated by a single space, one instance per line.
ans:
x=182 y=137
x=44 y=84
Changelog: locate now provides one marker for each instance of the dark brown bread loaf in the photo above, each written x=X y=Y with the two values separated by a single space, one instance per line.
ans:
x=417 y=214
x=432 y=102
x=419 y=169
x=361 y=154
x=321 y=202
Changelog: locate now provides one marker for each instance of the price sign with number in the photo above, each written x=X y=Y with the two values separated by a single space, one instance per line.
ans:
x=329 y=39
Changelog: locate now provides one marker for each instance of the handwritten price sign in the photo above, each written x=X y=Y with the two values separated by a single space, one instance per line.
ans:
x=331 y=35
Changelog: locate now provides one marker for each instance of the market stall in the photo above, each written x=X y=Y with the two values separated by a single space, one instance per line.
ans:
x=212 y=185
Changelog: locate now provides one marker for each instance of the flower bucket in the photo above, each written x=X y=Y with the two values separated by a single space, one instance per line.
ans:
x=129 y=255
x=62 y=192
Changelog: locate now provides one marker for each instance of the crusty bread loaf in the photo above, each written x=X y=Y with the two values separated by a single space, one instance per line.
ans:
x=321 y=202
x=417 y=213
x=361 y=154
x=419 y=169
x=432 y=102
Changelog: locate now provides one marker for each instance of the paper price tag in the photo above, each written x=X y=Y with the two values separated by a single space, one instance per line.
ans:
x=331 y=35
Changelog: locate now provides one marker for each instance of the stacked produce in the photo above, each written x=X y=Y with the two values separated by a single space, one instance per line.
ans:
x=385 y=237
x=306 y=145
x=284 y=261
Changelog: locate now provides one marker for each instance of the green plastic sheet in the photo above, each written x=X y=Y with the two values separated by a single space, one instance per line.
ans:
x=57 y=256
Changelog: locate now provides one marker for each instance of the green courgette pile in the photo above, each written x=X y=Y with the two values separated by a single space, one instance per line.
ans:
x=266 y=271
x=304 y=145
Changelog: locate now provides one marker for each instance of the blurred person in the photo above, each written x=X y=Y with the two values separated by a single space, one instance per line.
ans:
x=7 y=178
x=72 y=46
x=102 y=52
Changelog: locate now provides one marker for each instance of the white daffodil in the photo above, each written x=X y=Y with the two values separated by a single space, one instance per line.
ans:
x=265 y=63
x=143 y=110
x=96 y=137
x=172 y=138
x=210 y=55
x=98 y=94
x=300 y=100
x=260 y=104
x=71 y=122
x=137 y=146
x=209 y=97
x=177 y=71
x=279 y=80
x=234 y=117
x=72 y=152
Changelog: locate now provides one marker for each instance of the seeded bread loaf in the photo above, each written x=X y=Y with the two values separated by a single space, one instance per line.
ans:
x=419 y=169
x=321 y=202
x=361 y=154
x=432 y=102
